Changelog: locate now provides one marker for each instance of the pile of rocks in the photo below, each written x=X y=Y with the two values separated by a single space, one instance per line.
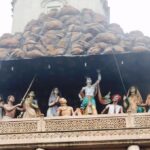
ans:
x=71 y=32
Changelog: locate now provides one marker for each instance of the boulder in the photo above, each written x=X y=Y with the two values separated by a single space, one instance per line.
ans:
x=10 y=42
x=53 y=25
x=3 y=53
x=34 y=54
x=139 y=48
x=56 y=51
x=107 y=37
x=69 y=10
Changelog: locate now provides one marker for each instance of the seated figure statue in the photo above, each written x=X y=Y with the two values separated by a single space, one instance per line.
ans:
x=64 y=109
x=114 y=108
x=133 y=100
x=86 y=95
x=31 y=108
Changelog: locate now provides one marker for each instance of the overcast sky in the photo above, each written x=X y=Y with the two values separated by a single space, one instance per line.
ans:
x=130 y=14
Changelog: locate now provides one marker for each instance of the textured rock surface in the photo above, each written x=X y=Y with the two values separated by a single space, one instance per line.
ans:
x=71 y=32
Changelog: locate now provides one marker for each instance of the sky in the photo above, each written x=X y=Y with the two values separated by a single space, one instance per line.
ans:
x=130 y=14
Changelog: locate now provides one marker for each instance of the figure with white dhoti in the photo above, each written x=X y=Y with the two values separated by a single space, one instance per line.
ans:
x=87 y=94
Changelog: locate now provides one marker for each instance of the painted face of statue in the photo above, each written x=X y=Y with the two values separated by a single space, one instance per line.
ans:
x=32 y=94
x=11 y=99
x=56 y=91
x=116 y=98
x=88 y=81
x=133 y=90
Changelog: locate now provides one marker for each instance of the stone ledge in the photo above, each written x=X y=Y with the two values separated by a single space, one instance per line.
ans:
x=104 y=129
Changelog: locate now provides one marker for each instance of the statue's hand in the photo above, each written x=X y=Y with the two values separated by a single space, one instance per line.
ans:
x=19 y=105
x=124 y=98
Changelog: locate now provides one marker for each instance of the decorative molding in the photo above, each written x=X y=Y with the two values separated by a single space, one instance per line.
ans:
x=45 y=2
x=75 y=130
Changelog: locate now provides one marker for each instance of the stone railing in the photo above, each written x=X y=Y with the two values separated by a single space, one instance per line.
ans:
x=75 y=131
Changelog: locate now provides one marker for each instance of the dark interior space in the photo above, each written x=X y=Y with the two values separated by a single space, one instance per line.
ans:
x=69 y=74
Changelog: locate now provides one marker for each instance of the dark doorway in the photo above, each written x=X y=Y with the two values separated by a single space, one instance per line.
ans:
x=68 y=74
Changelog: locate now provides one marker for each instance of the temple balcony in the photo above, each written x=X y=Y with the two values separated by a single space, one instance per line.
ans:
x=107 y=132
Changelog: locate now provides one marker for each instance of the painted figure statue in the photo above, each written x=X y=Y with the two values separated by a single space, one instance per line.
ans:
x=1 y=107
x=147 y=103
x=10 y=108
x=133 y=100
x=87 y=95
x=64 y=109
x=114 y=108
x=53 y=102
x=31 y=108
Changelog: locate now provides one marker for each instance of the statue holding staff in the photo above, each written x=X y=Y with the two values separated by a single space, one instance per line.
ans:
x=31 y=108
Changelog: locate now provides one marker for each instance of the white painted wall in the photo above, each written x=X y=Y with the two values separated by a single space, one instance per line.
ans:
x=26 y=10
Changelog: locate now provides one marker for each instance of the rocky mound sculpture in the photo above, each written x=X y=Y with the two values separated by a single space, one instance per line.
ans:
x=70 y=32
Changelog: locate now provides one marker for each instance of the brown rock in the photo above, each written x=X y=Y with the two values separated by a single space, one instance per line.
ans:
x=11 y=42
x=97 y=18
x=18 y=53
x=69 y=10
x=56 y=52
x=77 y=51
x=53 y=24
x=87 y=37
x=95 y=50
x=114 y=48
x=115 y=28
x=94 y=28
x=3 y=53
x=34 y=54
x=74 y=28
x=140 y=48
x=73 y=20
x=75 y=36
x=107 y=37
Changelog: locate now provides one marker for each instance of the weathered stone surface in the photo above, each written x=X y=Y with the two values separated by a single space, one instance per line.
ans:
x=71 y=32
x=3 y=53
x=10 y=42
x=107 y=37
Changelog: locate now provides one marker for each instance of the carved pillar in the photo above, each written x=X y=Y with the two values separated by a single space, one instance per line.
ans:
x=133 y=147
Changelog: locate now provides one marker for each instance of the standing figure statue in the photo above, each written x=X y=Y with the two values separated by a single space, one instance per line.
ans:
x=53 y=102
x=133 y=100
x=87 y=95
x=31 y=108
x=114 y=108
x=64 y=109
x=10 y=108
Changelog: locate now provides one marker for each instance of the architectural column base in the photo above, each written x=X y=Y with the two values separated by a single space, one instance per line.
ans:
x=133 y=147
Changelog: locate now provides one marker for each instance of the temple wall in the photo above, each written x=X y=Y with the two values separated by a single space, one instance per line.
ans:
x=26 y=10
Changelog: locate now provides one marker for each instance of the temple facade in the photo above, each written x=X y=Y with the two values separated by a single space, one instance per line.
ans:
x=26 y=10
